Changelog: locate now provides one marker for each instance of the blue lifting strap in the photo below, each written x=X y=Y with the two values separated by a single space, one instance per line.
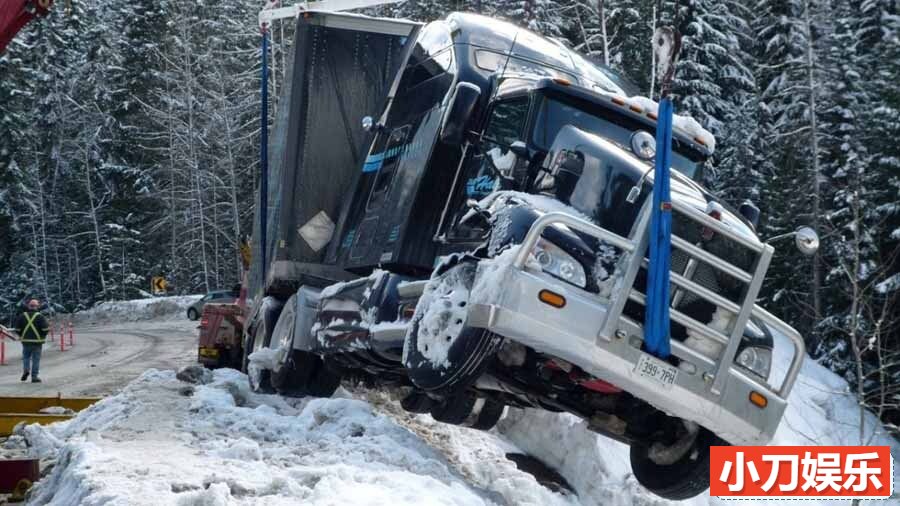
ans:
x=656 y=320
x=264 y=154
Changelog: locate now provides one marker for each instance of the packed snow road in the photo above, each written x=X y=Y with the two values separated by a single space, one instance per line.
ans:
x=114 y=343
x=105 y=358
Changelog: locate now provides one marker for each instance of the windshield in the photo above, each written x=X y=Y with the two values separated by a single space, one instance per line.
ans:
x=554 y=114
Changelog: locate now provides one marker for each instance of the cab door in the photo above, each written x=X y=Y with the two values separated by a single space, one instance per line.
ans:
x=477 y=179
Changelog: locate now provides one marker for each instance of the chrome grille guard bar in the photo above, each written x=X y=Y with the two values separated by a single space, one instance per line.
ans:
x=633 y=258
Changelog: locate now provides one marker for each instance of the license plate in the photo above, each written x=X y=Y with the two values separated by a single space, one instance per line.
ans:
x=209 y=352
x=650 y=367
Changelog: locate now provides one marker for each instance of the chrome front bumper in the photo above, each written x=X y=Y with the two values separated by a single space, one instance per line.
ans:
x=592 y=333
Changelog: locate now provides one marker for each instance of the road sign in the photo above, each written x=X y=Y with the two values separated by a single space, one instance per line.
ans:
x=158 y=285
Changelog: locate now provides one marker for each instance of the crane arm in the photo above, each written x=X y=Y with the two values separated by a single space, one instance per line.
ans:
x=15 y=14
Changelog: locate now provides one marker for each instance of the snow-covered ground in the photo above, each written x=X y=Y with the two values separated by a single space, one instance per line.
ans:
x=165 y=441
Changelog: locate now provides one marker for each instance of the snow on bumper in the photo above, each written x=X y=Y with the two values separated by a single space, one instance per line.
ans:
x=505 y=301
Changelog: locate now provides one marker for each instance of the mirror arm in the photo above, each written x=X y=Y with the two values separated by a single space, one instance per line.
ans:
x=780 y=237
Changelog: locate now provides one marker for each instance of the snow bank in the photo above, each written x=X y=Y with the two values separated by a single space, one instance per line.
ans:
x=152 y=308
x=166 y=442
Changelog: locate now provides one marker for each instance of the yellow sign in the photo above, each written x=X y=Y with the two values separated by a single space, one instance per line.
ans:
x=159 y=285
x=246 y=254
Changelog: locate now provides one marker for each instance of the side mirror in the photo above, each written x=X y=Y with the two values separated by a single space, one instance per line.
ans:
x=749 y=211
x=807 y=240
x=370 y=125
x=462 y=103
x=568 y=170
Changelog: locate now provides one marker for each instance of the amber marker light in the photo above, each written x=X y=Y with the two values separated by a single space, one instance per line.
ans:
x=758 y=399
x=551 y=298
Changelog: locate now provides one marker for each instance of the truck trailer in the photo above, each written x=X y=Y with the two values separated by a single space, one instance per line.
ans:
x=460 y=211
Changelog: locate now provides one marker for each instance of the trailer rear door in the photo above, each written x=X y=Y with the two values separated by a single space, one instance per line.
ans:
x=343 y=68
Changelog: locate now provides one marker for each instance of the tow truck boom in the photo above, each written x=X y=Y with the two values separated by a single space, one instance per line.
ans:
x=15 y=14
x=269 y=14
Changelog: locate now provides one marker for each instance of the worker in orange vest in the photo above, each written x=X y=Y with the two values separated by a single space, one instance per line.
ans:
x=32 y=328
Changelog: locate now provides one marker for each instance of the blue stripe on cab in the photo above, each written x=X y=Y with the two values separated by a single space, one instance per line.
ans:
x=373 y=162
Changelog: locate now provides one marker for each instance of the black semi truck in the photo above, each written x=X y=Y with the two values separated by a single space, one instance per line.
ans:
x=459 y=210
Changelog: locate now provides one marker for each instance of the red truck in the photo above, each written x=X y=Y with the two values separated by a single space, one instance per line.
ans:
x=221 y=333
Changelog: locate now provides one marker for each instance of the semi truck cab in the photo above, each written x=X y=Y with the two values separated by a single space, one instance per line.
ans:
x=462 y=213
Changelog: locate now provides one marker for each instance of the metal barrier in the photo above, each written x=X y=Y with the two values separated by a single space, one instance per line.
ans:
x=15 y=410
x=635 y=248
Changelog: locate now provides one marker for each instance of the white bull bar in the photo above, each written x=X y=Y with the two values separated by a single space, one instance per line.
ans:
x=591 y=331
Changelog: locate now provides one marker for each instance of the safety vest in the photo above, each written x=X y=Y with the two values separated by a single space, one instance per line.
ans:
x=35 y=337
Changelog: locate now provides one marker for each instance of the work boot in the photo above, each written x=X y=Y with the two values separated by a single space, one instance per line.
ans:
x=35 y=379
x=24 y=375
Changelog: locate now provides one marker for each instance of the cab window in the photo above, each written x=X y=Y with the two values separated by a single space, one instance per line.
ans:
x=507 y=121
x=386 y=163
x=505 y=127
x=428 y=75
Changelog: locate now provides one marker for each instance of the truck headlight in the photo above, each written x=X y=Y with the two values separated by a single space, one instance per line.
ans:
x=756 y=360
x=558 y=263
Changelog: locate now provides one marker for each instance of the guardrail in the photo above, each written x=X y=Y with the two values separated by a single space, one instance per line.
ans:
x=15 y=410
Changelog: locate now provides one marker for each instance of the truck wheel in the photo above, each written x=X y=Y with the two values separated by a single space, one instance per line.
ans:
x=233 y=358
x=285 y=378
x=468 y=411
x=260 y=338
x=687 y=477
x=441 y=353
x=305 y=374
x=298 y=373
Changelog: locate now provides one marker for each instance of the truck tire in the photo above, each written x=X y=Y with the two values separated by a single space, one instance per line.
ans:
x=298 y=373
x=440 y=315
x=685 y=478
x=468 y=411
x=233 y=358
x=305 y=374
x=261 y=338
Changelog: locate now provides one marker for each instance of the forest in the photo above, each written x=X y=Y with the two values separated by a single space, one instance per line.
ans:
x=129 y=145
